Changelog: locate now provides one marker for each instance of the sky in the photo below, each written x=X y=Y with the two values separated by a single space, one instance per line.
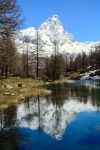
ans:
x=79 y=17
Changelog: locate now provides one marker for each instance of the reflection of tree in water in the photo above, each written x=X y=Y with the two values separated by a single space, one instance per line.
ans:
x=9 y=140
x=79 y=91
x=8 y=136
x=59 y=94
x=39 y=114
x=57 y=114
x=7 y=118
x=95 y=96
x=1 y=120
x=78 y=94
x=66 y=91
x=51 y=113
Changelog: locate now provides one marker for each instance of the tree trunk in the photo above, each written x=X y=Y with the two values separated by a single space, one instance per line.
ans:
x=6 y=72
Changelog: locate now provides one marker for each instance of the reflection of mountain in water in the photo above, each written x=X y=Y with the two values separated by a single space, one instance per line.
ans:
x=54 y=113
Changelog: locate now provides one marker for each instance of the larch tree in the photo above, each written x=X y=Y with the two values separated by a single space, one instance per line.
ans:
x=10 y=20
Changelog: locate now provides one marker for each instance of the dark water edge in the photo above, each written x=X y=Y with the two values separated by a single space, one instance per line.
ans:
x=68 y=119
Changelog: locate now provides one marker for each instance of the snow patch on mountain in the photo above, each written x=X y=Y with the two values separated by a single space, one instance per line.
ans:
x=91 y=75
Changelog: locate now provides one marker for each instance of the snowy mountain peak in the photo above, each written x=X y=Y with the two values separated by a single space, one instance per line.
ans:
x=53 y=30
x=54 y=18
x=49 y=31
x=51 y=23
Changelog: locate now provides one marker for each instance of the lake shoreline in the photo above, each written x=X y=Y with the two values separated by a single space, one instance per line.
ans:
x=16 y=89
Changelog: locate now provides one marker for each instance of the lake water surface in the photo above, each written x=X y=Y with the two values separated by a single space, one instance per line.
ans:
x=68 y=119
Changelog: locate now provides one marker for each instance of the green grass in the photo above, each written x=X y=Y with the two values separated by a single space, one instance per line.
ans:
x=15 y=94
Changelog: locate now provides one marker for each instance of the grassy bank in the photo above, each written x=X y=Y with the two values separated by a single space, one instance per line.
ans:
x=14 y=89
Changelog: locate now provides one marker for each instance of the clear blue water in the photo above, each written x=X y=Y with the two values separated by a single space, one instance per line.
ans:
x=68 y=119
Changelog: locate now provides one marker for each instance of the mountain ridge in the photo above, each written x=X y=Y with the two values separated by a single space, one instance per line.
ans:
x=52 y=30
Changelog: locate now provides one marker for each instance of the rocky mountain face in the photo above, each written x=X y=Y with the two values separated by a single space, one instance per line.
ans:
x=49 y=32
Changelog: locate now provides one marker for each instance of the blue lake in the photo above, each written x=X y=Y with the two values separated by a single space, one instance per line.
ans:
x=68 y=119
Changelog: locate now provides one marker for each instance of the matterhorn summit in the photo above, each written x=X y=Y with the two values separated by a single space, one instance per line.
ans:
x=55 y=31
x=51 y=31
